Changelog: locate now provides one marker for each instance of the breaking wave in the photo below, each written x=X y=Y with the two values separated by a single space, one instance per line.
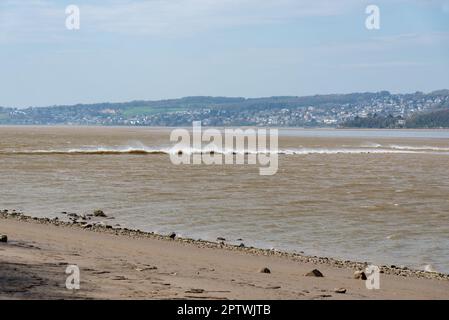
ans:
x=428 y=148
x=403 y=147
x=99 y=151
x=295 y=151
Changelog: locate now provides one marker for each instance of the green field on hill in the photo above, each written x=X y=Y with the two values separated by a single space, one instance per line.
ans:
x=147 y=110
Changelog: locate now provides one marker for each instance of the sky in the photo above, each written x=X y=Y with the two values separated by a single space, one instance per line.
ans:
x=157 y=49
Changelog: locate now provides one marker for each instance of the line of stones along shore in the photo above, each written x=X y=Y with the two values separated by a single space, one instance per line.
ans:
x=117 y=230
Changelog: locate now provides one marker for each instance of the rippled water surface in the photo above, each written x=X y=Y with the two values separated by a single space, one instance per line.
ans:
x=376 y=195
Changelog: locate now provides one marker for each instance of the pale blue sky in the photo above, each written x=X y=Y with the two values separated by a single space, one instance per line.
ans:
x=156 y=49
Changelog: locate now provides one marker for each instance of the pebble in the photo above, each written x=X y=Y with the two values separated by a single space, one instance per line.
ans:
x=195 y=291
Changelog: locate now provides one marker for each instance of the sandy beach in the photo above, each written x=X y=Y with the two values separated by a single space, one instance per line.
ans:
x=118 y=263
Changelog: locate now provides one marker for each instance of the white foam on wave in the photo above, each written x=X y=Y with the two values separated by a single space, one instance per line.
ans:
x=429 y=268
x=370 y=145
x=374 y=145
x=430 y=148
x=344 y=151
x=139 y=148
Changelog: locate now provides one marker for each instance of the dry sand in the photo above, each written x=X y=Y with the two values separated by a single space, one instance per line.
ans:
x=33 y=263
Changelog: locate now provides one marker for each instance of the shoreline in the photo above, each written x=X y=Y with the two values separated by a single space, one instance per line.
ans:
x=65 y=125
x=131 y=264
x=102 y=227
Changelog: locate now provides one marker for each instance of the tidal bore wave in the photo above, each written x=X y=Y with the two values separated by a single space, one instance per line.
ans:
x=296 y=151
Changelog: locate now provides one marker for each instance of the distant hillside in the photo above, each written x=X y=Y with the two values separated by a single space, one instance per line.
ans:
x=435 y=119
x=430 y=120
x=435 y=116
x=375 y=122
x=364 y=110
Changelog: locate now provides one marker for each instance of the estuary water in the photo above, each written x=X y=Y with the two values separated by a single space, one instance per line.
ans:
x=380 y=196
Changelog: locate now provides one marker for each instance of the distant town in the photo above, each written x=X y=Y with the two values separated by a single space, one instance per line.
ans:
x=363 y=110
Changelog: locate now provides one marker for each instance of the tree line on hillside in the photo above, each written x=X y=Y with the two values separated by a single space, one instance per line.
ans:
x=430 y=120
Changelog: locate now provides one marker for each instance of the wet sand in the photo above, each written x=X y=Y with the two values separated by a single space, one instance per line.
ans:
x=125 y=264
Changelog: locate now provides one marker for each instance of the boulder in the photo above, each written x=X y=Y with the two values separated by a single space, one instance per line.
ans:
x=314 y=273
x=99 y=213
x=360 y=275
x=340 y=290
x=3 y=238
x=172 y=236
x=264 y=270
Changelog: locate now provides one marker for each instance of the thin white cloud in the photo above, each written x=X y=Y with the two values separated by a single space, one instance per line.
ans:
x=176 y=17
x=383 y=64
x=391 y=43
x=159 y=17
x=44 y=20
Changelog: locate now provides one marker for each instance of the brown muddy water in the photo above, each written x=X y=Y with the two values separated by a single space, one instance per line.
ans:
x=369 y=195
